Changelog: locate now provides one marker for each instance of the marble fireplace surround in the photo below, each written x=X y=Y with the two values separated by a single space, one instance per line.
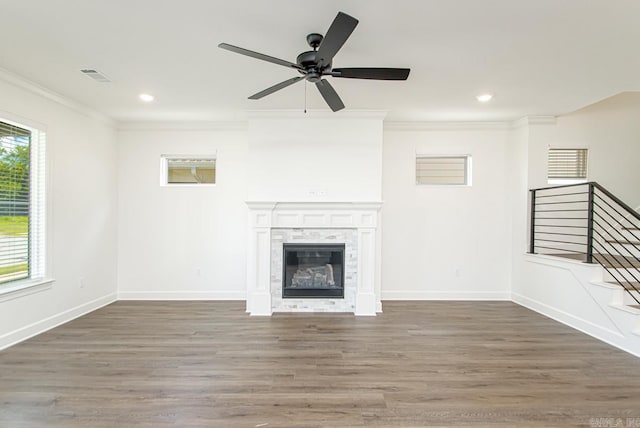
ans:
x=267 y=217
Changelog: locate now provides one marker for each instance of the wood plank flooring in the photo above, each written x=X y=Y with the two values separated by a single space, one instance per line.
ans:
x=208 y=364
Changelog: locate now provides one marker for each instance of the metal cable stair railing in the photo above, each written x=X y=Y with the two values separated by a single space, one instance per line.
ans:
x=586 y=222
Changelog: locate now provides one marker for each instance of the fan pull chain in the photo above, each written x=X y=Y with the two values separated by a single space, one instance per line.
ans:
x=305 y=97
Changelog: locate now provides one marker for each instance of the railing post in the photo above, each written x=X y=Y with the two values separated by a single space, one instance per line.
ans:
x=590 y=225
x=532 y=234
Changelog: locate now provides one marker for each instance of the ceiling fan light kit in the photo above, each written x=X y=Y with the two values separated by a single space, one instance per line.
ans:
x=315 y=64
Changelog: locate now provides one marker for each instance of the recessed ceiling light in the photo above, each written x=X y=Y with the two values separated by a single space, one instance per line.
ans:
x=146 y=98
x=483 y=98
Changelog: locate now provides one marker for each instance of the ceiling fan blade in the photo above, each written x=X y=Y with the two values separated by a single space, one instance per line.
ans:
x=338 y=33
x=257 y=55
x=329 y=94
x=372 y=73
x=275 y=88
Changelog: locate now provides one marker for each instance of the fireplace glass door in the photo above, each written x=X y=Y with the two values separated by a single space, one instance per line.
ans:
x=313 y=271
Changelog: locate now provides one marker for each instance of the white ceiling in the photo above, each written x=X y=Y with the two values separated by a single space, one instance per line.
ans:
x=539 y=57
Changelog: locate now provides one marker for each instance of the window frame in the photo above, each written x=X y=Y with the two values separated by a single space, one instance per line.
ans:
x=467 y=170
x=563 y=181
x=39 y=254
x=164 y=169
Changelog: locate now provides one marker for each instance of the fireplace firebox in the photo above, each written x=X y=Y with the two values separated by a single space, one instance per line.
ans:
x=313 y=271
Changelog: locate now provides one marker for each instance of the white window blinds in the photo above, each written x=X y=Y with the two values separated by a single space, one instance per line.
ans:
x=15 y=163
x=568 y=164
x=443 y=170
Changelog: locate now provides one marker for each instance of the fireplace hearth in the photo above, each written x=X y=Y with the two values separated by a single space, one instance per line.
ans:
x=313 y=271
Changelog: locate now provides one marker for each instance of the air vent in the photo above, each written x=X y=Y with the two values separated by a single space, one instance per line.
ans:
x=96 y=75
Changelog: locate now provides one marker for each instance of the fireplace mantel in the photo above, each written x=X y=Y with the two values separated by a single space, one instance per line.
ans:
x=267 y=215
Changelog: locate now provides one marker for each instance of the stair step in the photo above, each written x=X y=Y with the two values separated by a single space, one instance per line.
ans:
x=627 y=285
x=630 y=228
x=616 y=262
x=613 y=241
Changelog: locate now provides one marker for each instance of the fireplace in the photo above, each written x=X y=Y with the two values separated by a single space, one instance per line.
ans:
x=313 y=271
x=351 y=226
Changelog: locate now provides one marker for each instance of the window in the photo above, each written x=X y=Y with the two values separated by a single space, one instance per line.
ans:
x=443 y=170
x=21 y=203
x=567 y=166
x=182 y=170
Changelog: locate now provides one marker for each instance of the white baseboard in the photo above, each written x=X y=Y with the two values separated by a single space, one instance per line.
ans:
x=611 y=337
x=26 y=332
x=182 y=295
x=445 y=295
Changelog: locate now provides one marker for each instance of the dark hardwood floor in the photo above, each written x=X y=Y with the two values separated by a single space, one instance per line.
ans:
x=208 y=364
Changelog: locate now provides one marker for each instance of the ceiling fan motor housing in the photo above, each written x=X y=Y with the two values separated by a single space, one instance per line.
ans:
x=307 y=60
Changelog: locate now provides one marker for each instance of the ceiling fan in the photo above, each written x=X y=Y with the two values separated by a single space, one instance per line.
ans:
x=315 y=64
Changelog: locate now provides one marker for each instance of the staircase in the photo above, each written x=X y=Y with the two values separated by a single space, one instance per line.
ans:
x=624 y=269
x=588 y=223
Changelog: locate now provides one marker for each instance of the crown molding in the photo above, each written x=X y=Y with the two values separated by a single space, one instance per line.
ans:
x=316 y=114
x=533 y=120
x=444 y=126
x=203 y=125
x=23 y=83
x=22 y=121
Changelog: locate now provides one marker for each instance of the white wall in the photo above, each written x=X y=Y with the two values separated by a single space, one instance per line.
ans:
x=518 y=196
x=443 y=242
x=610 y=129
x=297 y=157
x=527 y=156
x=81 y=188
x=181 y=242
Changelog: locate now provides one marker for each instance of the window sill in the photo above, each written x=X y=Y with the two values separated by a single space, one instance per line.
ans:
x=24 y=288
x=442 y=185
x=561 y=181
x=189 y=185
